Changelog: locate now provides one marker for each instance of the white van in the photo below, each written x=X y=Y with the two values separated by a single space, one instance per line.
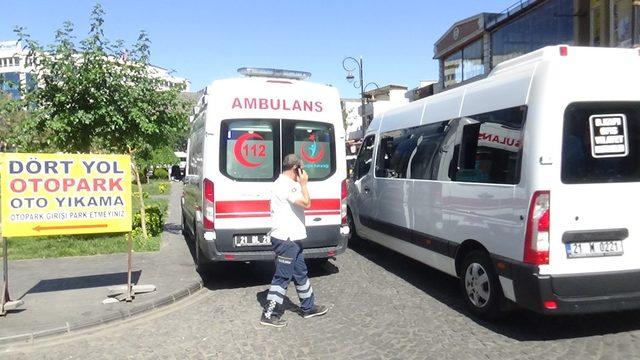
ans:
x=240 y=131
x=525 y=185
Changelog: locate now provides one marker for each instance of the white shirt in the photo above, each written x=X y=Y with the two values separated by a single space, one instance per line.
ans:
x=287 y=217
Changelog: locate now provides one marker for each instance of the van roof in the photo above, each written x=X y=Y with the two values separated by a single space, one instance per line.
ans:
x=515 y=73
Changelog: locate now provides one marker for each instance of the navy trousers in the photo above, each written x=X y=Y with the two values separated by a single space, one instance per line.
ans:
x=289 y=265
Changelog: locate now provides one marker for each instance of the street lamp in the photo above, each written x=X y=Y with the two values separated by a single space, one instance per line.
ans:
x=350 y=64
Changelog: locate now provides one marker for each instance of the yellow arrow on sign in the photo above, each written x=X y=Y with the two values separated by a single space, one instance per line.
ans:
x=40 y=228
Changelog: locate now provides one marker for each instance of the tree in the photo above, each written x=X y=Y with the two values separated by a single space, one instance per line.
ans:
x=99 y=96
x=11 y=115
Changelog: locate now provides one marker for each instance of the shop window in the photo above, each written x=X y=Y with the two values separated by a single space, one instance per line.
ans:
x=464 y=65
x=453 y=69
x=621 y=15
x=549 y=24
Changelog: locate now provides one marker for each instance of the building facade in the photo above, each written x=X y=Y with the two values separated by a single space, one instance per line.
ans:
x=16 y=72
x=473 y=46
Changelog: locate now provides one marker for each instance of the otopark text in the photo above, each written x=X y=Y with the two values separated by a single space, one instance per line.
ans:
x=52 y=194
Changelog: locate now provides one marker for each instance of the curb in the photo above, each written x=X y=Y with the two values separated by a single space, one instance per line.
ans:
x=67 y=327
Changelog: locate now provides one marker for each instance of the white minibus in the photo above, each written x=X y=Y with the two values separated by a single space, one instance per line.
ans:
x=240 y=131
x=525 y=185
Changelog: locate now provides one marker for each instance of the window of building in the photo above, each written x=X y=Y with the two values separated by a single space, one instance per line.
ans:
x=595 y=23
x=10 y=83
x=472 y=61
x=491 y=147
x=621 y=15
x=16 y=61
x=453 y=69
x=601 y=151
x=464 y=64
x=313 y=142
x=549 y=24
x=365 y=157
x=249 y=148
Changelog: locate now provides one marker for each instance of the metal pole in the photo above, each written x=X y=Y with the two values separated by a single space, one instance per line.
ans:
x=129 y=287
x=364 y=121
x=5 y=276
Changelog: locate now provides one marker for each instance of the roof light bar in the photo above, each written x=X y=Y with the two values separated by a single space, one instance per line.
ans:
x=276 y=73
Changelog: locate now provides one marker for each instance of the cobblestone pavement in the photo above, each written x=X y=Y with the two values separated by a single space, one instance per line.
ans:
x=383 y=306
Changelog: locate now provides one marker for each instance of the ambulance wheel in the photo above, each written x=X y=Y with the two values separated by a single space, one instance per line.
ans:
x=202 y=263
x=480 y=287
x=354 y=239
x=185 y=232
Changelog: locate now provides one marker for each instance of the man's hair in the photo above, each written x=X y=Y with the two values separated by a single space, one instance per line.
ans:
x=290 y=161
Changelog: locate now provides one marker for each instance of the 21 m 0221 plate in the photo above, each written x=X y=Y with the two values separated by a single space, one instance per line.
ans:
x=594 y=249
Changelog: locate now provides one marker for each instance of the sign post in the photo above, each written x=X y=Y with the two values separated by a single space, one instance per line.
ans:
x=65 y=194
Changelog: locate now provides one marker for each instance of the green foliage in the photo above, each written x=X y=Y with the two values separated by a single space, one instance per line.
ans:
x=99 y=96
x=160 y=173
x=11 y=115
x=145 y=195
x=162 y=188
x=155 y=220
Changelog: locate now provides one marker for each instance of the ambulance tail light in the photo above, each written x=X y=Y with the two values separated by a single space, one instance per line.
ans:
x=343 y=202
x=536 y=243
x=207 y=217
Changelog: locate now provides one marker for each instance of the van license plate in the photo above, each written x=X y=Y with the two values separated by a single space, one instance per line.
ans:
x=594 y=249
x=251 y=240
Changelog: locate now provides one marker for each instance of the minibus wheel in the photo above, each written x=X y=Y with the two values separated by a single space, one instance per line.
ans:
x=479 y=284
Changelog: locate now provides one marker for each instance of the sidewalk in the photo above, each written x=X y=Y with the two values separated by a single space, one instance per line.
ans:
x=65 y=294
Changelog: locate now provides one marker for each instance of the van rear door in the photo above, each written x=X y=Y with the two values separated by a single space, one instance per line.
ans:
x=315 y=143
x=594 y=214
x=249 y=156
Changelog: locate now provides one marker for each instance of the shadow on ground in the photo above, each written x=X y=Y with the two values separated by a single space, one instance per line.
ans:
x=82 y=282
x=239 y=274
x=519 y=324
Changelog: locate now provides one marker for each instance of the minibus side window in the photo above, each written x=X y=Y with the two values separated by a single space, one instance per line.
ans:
x=394 y=153
x=314 y=143
x=601 y=143
x=491 y=147
x=249 y=149
x=429 y=141
x=365 y=157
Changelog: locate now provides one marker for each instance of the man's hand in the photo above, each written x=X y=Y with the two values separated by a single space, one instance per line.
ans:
x=303 y=177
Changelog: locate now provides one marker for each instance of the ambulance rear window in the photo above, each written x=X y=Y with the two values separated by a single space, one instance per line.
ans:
x=601 y=143
x=314 y=143
x=247 y=149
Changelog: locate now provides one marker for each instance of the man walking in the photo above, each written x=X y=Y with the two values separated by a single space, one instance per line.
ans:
x=289 y=199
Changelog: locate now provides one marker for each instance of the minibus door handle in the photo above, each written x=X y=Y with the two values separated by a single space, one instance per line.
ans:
x=366 y=189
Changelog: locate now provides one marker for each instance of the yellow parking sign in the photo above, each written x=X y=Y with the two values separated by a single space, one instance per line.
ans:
x=55 y=194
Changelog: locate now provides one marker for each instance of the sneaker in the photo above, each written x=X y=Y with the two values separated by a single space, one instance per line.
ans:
x=317 y=311
x=274 y=321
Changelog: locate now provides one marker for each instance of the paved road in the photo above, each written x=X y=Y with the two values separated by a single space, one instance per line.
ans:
x=383 y=305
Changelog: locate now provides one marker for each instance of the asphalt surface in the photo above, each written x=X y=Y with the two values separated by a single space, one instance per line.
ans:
x=382 y=306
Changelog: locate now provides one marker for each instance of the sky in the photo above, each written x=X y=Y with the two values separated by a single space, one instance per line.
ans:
x=208 y=40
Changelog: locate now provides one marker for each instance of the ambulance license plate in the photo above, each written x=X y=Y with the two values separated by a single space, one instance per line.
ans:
x=594 y=249
x=251 y=240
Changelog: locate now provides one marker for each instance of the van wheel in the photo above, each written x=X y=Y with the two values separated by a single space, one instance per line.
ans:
x=480 y=286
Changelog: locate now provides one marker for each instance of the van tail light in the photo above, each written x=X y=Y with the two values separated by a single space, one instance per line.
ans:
x=564 y=50
x=536 y=243
x=208 y=201
x=343 y=202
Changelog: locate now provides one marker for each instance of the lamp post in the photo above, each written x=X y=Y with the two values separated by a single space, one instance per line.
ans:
x=357 y=64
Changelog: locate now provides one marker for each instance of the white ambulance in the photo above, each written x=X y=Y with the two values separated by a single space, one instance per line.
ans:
x=525 y=185
x=241 y=130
